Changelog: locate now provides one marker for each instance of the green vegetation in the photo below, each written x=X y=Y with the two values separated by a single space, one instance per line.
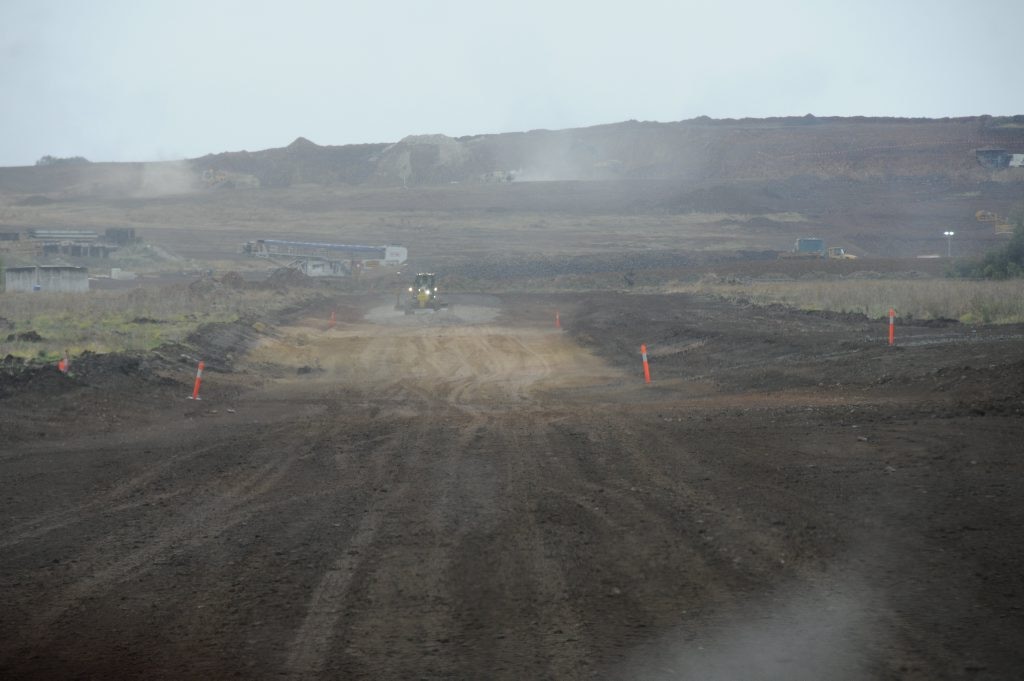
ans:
x=1006 y=263
x=57 y=161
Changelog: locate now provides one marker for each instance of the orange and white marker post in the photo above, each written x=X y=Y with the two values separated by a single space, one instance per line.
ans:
x=63 y=365
x=892 y=326
x=199 y=379
x=334 y=319
x=647 y=368
x=558 y=320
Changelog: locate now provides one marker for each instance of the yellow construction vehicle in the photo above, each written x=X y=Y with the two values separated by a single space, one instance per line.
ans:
x=839 y=253
x=1001 y=224
x=423 y=294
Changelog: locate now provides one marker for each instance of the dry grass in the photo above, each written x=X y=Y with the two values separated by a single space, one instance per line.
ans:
x=433 y=221
x=136 y=319
x=987 y=302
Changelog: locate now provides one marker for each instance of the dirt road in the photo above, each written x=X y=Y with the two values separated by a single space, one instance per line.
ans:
x=476 y=494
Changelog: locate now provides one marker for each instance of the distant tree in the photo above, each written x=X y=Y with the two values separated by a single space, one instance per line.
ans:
x=55 y=161
x=1006 y=263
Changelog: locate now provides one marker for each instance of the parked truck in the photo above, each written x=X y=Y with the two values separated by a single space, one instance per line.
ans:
x=839 y=253
x=807 y=247
x=813 y=247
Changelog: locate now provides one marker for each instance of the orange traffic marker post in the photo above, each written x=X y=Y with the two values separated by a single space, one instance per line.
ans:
x=892 y=326
x=558 y=320
x=199 y=379
x=334 y=319
x=647 y=368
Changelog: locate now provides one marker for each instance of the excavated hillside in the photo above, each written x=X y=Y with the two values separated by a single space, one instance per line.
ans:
x=701 y=149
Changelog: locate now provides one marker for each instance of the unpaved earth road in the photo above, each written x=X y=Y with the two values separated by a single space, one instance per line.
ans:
x=474 y=494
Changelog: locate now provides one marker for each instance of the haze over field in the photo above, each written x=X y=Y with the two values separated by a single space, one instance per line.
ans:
x=633 y=428
x=121 y=81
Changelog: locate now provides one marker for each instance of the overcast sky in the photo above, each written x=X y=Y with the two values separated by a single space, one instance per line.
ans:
x=154 y=80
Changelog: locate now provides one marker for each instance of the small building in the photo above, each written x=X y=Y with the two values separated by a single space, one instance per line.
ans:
x=46 y=279
x=993 y=159
x=64 y=234
x=322 y=259
x=122 y=236
x=78 y=249
x=312 y=266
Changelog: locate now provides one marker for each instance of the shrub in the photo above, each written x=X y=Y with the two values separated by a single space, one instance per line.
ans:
x=55 y=161
x=1007 y=263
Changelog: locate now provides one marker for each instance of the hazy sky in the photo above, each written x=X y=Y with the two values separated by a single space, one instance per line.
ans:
x=155 y=80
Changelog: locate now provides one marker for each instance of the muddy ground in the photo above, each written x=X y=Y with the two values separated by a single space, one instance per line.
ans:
x=478 y=494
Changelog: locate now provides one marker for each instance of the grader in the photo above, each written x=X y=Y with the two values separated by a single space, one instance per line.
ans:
x=422 y=295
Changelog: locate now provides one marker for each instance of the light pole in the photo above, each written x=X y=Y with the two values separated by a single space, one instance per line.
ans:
x=949 y=243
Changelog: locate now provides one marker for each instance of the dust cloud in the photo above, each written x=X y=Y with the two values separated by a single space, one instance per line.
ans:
x=551 y=161
x=796 y=637
x=166 y=178
x=464 y=309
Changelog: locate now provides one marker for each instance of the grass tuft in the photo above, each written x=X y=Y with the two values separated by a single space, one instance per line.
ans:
x=137 y=319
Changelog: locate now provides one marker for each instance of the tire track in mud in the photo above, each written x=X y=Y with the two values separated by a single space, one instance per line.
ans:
x=485 y=502
x=695 y=490
x=116 y=498
x=458 y=565
x=316 y=639
x=367 y=558
x=634 y=557
x=472 y=461
x=322 y=630
x=452 y=496
x=404 y=587
x=499 y=445
x=707 y=551
x=227 y=499
x=561 y=646
x=731 y=544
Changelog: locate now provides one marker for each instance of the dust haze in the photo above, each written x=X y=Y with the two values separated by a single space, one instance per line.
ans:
x=166 y=179
x=799 y=634
x=213 y=465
